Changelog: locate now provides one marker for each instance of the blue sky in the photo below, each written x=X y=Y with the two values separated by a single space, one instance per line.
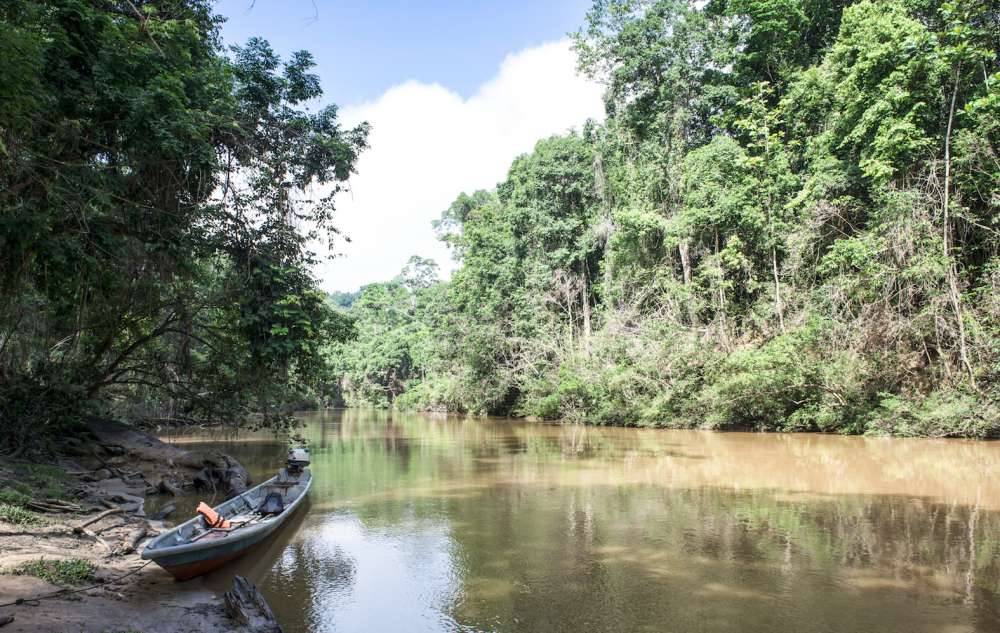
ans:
x=454 y=91
x=363 y=48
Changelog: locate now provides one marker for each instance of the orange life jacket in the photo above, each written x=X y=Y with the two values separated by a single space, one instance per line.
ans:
x=212 y=518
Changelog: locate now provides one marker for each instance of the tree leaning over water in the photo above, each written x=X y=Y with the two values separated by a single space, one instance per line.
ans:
x=156 y=198
x=790 y=220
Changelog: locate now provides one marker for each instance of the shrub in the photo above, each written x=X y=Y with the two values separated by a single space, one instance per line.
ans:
x=791 y=383
x=13 y=496
x=71 y=571
x=17 y=515
x=41 y=480
x=438 y=392
x=940 y=414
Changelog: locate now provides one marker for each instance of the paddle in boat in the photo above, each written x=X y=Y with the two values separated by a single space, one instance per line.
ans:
x=220 y=534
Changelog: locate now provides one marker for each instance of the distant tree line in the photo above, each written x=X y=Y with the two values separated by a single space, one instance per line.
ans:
x=789 y=220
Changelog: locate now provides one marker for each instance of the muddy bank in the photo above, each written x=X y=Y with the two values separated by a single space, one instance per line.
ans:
x=97 y=504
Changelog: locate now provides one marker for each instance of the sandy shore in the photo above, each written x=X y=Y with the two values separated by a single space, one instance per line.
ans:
x=117 y=467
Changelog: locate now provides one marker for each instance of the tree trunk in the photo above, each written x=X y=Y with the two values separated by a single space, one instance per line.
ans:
x=685 y=252
x=952 y=272
x=778 y=309
x=601 y=185
x=723 y=327
x=586 y=311
x=572 y=324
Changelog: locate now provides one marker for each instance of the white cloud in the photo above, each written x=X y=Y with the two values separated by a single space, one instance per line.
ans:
x=428 y=144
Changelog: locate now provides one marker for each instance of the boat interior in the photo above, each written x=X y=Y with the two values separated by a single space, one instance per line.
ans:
x=257 y=506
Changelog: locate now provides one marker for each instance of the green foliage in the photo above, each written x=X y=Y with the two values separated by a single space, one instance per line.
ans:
x=393 y=325
x=794 y=382
x=787 y=222
x=15 y=514
x=70 y=571
x=154 y=185
x=12 y=496
x=954 y=413
x=36 y=480
x=343 y=299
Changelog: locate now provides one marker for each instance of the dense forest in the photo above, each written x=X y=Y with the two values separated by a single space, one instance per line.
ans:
x=788 y=221
x=157 y=197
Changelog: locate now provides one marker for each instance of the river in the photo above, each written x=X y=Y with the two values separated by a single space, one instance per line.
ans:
x=423 y=523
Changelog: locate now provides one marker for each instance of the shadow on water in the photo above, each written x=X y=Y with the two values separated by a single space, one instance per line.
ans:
x=262 y=559
x=423 y=523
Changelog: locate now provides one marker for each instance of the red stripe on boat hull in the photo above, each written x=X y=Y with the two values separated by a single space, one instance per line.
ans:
x=197 y=568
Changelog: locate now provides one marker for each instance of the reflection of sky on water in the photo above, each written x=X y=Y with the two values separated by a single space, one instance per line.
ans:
x=398 y=578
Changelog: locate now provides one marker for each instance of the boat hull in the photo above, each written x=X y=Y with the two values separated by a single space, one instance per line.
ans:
x=187 y=571
x=188 y=551
x=189 y=565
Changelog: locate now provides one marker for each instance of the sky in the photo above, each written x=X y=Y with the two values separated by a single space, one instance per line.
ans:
x=454 y=91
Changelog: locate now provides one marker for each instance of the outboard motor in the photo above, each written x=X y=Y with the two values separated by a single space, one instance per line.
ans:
x=298 y=458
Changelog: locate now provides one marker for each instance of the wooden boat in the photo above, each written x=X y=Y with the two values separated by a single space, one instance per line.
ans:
x=194 y=547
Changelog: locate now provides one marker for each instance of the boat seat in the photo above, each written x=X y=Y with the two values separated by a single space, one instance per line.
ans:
x=273 y=503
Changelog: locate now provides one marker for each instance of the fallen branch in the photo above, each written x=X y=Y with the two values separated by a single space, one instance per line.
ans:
x=115 y=471
x=98 y=539
x=53 y=505
x=112 y=526
x=93 y=520
x=129 y=544
x=136 y=537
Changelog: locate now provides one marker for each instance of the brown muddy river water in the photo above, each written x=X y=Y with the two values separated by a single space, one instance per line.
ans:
x=421 y=523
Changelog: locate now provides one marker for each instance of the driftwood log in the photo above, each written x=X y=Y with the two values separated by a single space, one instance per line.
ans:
x=132 y=541
x=52 y=505
x=92 y=520
x=97 y=539
x=82 y=528
x=248 y=608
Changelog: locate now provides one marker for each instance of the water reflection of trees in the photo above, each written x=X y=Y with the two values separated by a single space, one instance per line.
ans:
x=572 y=528
x=308 y=578
x=590 y=555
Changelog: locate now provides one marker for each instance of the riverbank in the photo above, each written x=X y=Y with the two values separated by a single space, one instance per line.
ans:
x=961 y=416
x=78 y=523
